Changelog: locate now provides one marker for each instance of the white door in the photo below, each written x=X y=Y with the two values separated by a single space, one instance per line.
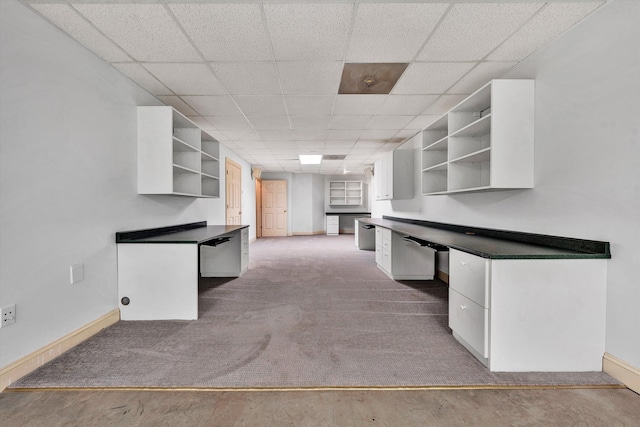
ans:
x=233 y=192
x=274 y=208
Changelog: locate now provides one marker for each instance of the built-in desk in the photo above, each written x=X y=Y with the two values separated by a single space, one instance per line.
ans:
x=158 y=268
x=520 y=301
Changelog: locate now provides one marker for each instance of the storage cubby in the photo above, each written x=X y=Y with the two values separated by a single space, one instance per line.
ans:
x=345 y=193
x=175 y=156
x=484 y=143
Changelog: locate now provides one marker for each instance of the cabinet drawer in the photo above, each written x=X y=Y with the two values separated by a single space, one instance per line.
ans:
x=386 y=260
x=379 y=255
x=469 y=275
x=379 y=236
x=469 y=321
x=386 y=234
x=333 y=219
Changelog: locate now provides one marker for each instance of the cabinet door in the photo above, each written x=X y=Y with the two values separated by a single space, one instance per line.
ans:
x=388 y=176
x=378 y=178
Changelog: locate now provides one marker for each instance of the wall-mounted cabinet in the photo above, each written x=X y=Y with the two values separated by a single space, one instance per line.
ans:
x=345 y=193
x=486 y=142
x=393 y=175
x=175 y=156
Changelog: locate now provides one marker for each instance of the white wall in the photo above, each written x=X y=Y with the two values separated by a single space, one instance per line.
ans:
x=68 y=181
x=587 y=160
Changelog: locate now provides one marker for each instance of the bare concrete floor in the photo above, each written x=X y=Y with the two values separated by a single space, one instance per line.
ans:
x=454 y=407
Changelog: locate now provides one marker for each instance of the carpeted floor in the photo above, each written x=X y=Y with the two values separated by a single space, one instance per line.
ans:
x=312 y=311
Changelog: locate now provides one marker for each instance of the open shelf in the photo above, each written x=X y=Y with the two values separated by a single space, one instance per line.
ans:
x=345 y=193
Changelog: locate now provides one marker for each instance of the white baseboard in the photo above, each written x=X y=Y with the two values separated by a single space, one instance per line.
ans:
x=30 y=362
x=622 y=371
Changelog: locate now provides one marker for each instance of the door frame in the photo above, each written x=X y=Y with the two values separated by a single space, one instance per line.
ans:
x=258 y=208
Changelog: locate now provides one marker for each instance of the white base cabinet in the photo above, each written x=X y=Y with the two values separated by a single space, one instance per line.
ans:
x=402 y=259
x=333 y=225
x=519 y=315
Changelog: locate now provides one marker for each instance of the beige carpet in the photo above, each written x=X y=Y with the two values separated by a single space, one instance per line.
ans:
x=311 y=312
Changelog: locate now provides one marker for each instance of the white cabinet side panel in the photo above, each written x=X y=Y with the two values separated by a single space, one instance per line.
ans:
x=155 y=150
x=547 y=315
x=160 y=280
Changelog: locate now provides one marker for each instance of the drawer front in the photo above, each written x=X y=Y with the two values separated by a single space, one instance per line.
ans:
x=469 y=320
x=386 y=234
x=386 y=260
x=378 y=236
x=333 y=220
x=469 y=275
x=378 y=255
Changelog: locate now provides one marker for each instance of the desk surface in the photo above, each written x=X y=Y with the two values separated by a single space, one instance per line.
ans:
x=192 y=236
x=485 y=247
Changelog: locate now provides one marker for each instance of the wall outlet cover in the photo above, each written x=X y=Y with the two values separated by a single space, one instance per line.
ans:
x=7 y=315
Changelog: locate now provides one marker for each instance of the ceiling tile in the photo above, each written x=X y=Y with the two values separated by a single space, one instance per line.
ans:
x=178 y=104
x=421 y=122
x=310 y=78
x=186 y=79
x=406 y=104
x=339 y=145
x=358 y=104
x=246 y=145
x=229 y=123
x=349 y=122
x=310 y=145
x=213 y=105
x=310 y=122
x=470 y=31
x=241 y=134
x=392 y=32
x=269 y=122
x=145 y=31
x=308 y=31
x=275 y=135
x=390 y=122
x=225 y=32
x=481 y=75
x=552 y=21
x=310 y=134
x=281 y=146
x=142 y=77
x=309 y=105
x=344 y=134
x=405 y=134
x=378 y=134
x=202 y=122
x=248 y=78
x=268 y=105
x=443 y=104
x=430 y=78
x=368 y=144
x=68 y=20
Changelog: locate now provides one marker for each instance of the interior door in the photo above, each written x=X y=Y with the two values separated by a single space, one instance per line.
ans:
x=274 y=208
x=233 y=192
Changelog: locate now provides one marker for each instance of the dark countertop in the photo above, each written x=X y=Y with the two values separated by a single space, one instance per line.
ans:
x=485 y=247
x=194 y=235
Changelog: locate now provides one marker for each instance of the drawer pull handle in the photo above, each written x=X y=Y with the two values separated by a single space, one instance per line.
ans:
x=463 y=307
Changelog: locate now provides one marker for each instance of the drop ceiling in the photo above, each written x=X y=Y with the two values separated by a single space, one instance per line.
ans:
x=263 y=77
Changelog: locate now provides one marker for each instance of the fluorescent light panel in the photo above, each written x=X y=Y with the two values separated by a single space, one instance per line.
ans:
x=310 y=159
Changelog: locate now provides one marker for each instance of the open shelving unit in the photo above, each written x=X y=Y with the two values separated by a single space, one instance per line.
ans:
x=345 y=193
x=175 y=156
x=483 y=143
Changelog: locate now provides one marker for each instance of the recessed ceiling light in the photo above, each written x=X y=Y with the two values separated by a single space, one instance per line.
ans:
x=310 y=159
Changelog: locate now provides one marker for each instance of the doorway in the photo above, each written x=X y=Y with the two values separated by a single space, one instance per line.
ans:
x=274 y=208
x=233 y=192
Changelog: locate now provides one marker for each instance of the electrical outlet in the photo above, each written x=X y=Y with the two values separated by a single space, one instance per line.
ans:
x=7 y=315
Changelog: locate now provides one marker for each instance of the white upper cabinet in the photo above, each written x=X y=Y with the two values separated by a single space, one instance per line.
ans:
x=175 y=156
x=486 y=142
x=345 y=193
x=393 y=175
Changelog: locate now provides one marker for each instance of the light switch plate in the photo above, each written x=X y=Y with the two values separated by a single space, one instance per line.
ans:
x=77 y=273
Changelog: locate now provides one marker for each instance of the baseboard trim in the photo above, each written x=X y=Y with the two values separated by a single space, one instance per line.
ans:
x=442 y=276
x=306 y=233
x=622 y=371
x=30 y=362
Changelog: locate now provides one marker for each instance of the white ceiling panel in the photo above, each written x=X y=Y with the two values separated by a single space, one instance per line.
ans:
x=202 y=122
x=310 y=78
x=358 y=104
x=248 y=78
x=269 y=122
x=225 y=32
x=308 y=31
x=268 y=105
x=290 y=146
x=309 y=105
x=247 y=145
x=406 y=104
x=275 y=135
x=368 y=144
x=378 y=134
x=229 y=123
x=349 y=122
x=241 y=135
x=552 y=21
x=143 y=78
x=390 y=122
x=145 y=31
x=392 y=32
x=310 y=145
x=214 y=105
x=310 y=122
x=178 y=104
x=470 y=31
x=335 y=145
x=310 y=134
x=430 y=78
x=421 y=122
x=343 y=134
x=405 y=134
x=443 y=104
x=186 y=79
x=481 y=75
x=68 y=20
